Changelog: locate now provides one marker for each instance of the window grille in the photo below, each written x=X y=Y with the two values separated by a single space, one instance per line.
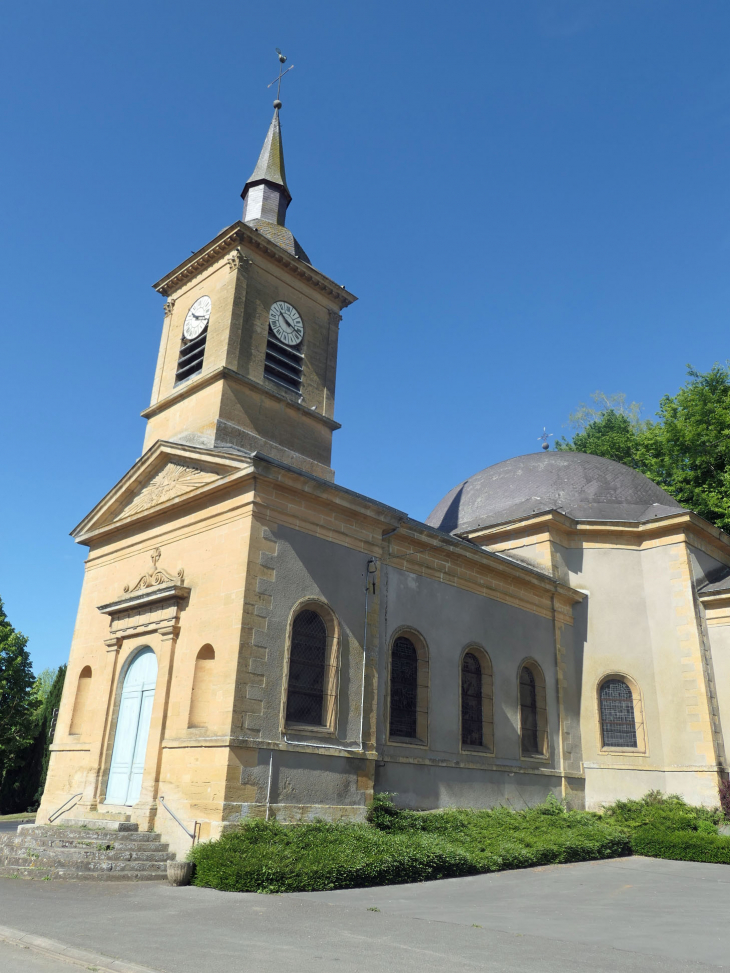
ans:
x=307 y=670
x=472 y=703
x=404 y=689
x=190 y=361
x=618 y=720
x=283 y=365
x=528 y=713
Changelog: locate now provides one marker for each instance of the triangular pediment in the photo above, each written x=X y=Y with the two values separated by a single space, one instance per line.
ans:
x=166 y=474
x=174 y=479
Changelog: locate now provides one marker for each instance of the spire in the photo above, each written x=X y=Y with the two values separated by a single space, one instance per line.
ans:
x=270 y=167
x=266 y=195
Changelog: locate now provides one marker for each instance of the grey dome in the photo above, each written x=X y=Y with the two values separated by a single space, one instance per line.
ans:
x=582 y=486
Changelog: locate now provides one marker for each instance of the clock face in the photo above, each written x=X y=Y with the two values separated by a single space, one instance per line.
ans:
x=197 y=318
x=286 y=323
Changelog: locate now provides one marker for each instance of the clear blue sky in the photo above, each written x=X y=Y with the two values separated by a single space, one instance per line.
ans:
x=529 y=198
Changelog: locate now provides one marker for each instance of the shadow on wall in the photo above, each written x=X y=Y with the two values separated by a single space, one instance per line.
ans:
x=580 y=637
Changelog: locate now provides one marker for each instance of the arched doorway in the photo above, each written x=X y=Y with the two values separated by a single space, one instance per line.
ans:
x=133 y=727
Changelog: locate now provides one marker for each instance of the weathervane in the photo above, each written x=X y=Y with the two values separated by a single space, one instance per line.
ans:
x=277 y=81
x=544 y=438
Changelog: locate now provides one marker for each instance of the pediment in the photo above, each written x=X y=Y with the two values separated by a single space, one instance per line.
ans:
x=174 y=479
x=165 y=474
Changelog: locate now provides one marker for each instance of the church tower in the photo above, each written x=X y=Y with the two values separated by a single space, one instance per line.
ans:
x=248 y=355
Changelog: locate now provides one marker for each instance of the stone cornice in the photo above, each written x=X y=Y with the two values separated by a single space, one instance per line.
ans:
x=145 y=598
x=235 y=235
x=186 y=389
x=563 y=529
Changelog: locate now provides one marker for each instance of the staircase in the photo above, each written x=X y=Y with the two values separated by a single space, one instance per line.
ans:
x=80 y=849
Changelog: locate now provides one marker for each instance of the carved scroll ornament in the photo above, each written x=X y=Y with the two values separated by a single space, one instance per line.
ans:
x=156 y=576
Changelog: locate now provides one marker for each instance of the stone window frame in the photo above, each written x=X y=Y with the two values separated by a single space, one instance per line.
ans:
x=543 y=734
x=423 y=688
x=642 y=748
x=78 y=724
x=487 y=699
x=332 y=669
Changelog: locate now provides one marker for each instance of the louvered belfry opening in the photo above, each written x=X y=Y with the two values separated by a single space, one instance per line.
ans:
x=472 y=702
x=190 y=360
x=404 y=689
x=283 y=365
x=528 y=712
x=308 y=690
x=618 y=718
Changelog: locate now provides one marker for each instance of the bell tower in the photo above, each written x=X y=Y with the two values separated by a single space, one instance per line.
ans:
x=248 y=355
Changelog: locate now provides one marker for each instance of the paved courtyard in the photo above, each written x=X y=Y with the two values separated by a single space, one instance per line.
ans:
x=633 y=914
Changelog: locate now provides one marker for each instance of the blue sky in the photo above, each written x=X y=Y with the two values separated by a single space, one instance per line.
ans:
x=529 y=198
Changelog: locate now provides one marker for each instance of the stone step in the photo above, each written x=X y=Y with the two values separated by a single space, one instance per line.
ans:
x=11 y=856
x=83 y=834
x=82 y=865
x=104 y=824
x=13 y=841
x=96 y=824
x=69 y=874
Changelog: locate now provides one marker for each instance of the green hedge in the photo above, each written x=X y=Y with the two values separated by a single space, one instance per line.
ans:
x=664 y=826
x=400 y=846
x=686 y=846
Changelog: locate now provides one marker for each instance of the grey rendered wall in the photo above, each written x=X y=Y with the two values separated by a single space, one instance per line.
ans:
x=309 y=567
x=449 y=619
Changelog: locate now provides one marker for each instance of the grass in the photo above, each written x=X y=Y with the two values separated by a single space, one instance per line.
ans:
x=399 y=846
x=18 y=817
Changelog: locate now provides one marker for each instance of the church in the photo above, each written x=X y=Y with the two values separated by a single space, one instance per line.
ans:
x=254 y=640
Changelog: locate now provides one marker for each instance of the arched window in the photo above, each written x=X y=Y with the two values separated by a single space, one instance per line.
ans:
x=307 y=667
x=533 y=711
x=472 y=716
x=404 y=688
x=618 y=719
x=477 y=709
x=528 y=712
x=83 y=692
x=201 y=699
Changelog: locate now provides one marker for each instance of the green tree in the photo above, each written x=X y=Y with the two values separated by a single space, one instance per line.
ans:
x=686 y=451
x=611 y=435
x=46 y=727
x=18 y=707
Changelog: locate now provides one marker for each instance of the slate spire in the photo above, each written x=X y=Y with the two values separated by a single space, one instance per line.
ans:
x=266 y=195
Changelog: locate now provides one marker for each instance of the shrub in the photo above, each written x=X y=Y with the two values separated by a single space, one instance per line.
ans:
x=688 y=846
x=269 y=857
x=399 y=846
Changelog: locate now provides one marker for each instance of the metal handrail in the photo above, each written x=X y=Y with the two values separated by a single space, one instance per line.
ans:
x=59 y=810
x=190 y=834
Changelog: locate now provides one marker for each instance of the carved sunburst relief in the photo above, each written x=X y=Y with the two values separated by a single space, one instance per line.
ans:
x=173 y=480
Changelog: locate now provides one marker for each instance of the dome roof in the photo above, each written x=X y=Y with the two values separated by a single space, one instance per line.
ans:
x=583 y=486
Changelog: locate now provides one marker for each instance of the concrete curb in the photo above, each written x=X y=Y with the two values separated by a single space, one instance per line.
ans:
x=85 y=958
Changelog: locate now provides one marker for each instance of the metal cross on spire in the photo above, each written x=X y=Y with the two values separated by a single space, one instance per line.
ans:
x=544 y=438
x=277 y=81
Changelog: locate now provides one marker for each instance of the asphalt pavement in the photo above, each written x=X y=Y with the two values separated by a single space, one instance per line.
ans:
x=21 y=959
x=13 y=825
x=631 y=915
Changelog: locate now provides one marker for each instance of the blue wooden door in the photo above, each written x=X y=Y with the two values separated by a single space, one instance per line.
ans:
x=133 y=728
